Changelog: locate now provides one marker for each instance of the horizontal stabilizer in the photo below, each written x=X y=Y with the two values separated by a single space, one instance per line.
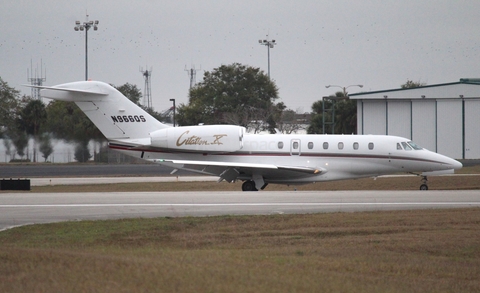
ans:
x=94 y=91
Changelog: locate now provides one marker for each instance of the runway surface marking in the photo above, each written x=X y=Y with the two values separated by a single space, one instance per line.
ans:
x=231 y=204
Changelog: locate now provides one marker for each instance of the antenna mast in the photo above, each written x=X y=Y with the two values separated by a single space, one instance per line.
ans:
x=192 y=73
x=147 y=92
x=35 y=80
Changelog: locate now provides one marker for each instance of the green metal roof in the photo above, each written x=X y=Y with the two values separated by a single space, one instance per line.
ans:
x=474 y=81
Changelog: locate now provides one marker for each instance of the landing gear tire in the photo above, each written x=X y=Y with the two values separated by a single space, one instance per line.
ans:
x=424 y=185
x=249 y=185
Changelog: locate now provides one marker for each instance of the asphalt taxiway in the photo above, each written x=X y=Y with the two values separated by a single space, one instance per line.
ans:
x=22 y=208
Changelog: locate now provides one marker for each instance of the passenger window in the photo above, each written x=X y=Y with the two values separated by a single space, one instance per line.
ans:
x=280 y=144
x=340 y=145
x=370 y=145
x=295 y=145
x=310 y=145
x=355 y=145
x=406 y=146
x=325 y=145
x=399 y=147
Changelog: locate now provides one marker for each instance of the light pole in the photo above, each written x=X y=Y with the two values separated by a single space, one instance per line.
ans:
x=332 y=109
x=86 y=26
x=344 y=88
x=269 y=44
x=174 y=110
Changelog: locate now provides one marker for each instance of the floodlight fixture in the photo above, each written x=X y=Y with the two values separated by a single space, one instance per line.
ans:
x=86 y=26
x=269 y=44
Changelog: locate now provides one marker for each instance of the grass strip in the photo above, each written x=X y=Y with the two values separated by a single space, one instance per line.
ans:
x=395 y=251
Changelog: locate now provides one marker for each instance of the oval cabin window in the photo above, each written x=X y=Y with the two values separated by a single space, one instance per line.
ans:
x=370 y=146
x=355 y=145
x=325 y=145
x=310 y=145
x=280 y=144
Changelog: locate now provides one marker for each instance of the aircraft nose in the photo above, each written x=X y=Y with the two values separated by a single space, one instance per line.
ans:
x=452 y=163
x=449 y=163
x=457 y=165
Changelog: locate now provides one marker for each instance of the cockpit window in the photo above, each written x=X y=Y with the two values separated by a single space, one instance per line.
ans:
x=399 y=147
x=415 y=146
x=406 y=146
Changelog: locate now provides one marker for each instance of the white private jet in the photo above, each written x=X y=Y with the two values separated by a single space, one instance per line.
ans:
x=231 y=154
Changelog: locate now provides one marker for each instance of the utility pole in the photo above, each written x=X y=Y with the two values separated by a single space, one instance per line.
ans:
x=174 y=110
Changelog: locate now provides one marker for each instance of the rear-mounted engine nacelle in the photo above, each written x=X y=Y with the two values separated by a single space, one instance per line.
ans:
x=206 y=138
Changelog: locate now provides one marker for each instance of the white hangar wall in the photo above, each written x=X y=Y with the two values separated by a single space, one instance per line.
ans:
x=449 y=128
x=472 y=129
x=443 y=118
x=424 y=126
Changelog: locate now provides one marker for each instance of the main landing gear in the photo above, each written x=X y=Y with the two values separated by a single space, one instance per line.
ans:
x=424 y=185
x=250 y=185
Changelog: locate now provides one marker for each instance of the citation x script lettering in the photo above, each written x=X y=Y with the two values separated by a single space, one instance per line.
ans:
x=228 y=152
x=189 y=140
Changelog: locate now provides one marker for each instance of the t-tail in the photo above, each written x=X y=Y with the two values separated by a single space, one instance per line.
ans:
x=116 y=116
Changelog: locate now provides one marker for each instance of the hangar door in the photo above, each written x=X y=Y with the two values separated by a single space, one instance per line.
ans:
x=450 y=128
x=472 y=132
x=399 y=118
x=424 y=123
x=374 y=117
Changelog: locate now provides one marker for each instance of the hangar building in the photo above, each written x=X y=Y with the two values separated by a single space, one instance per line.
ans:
x=444 y=118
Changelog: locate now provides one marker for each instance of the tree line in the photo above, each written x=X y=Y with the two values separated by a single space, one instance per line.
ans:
x=230 y=94
x=23 y=118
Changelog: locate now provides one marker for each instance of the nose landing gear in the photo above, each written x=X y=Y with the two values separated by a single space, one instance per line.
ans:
x=424 y=185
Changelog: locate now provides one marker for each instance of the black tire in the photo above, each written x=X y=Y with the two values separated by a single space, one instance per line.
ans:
x=424 y=187
x=249 y=185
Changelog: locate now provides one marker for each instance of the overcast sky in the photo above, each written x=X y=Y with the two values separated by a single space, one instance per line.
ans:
x=377 y=43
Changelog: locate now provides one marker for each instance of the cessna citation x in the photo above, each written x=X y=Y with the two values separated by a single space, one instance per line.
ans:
x=228 y=152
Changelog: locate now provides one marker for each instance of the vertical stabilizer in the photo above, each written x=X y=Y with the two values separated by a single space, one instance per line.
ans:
x=115 y=115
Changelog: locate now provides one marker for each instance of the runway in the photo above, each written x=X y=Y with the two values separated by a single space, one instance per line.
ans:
x=113 y=180
x=32 y=208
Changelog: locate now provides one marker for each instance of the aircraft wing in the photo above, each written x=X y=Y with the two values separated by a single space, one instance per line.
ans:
x=230 y=171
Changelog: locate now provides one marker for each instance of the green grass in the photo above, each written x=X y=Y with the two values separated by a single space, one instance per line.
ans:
x=400 y=251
